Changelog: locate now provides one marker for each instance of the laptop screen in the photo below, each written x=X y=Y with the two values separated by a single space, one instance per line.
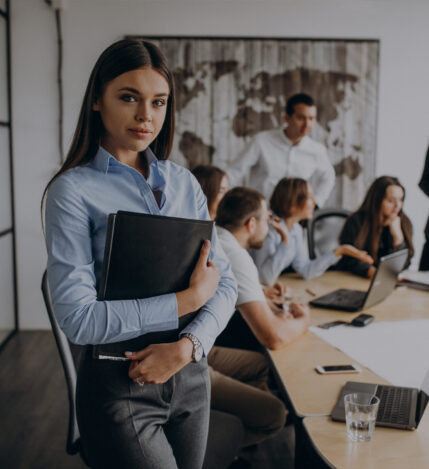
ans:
x=384 y=280
x=423 y=397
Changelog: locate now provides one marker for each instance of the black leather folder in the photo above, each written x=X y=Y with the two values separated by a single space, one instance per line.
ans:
x=145 y=256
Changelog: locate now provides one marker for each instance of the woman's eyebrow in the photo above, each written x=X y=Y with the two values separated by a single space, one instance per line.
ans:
x=133 y=90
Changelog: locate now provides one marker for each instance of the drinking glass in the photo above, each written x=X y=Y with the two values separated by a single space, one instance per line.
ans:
x=361 y=411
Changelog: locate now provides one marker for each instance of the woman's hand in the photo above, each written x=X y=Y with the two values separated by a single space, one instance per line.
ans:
x=394 y=224
x=157 y=363
x=202 y=284
x=281 y=229
x=349 y=250
x=371 y=272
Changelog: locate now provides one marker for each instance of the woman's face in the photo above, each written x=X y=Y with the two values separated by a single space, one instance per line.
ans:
x=306 y=210
x=392 y=202
x=223 y=189
x=132 y=109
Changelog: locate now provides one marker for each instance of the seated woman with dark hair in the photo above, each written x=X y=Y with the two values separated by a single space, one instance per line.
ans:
x=239 y=377
x=291 y=202
x=379 y=226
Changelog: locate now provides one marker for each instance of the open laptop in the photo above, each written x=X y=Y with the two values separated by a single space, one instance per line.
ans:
x=381 y=287
x=400 y=407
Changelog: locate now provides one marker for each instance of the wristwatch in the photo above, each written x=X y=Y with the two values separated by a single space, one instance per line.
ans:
x=197 y=352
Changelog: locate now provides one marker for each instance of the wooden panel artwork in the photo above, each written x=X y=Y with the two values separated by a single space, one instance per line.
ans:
x=230 y=89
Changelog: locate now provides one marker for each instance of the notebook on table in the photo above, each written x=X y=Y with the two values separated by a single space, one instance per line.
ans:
x=147 y=255
x=382 y=285
x=400 y=407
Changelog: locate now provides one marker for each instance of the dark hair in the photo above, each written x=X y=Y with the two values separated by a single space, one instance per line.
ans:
x=300 y=98
x=121 y=57
x=368 y=237
x=238 y=206
x=289 y=192
x=210 y=178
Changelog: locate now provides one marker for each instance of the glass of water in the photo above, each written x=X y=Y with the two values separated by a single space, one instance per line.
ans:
x=361 y=412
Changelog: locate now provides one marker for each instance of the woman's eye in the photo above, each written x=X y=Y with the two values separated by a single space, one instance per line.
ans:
x=159 y=102
x=128 y=98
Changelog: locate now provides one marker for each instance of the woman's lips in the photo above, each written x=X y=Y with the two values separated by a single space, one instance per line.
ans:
x=140 y=133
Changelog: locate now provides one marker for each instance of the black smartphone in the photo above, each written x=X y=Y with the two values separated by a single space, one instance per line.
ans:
x=362 y=320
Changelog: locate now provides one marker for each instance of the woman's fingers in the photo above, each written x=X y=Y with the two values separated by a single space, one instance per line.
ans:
x=204 y=255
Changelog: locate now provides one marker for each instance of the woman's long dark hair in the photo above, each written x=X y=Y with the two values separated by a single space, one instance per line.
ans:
x=121 y=57
x=210 y=179
x=369 y=234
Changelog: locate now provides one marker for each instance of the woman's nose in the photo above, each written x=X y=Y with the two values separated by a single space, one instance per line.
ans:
x=144 y=113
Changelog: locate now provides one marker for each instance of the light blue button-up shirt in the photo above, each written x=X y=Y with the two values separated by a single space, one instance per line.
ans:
x=77 y=208
x=274 y=256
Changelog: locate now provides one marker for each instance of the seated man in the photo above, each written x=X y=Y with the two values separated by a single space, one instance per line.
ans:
x=242 y=223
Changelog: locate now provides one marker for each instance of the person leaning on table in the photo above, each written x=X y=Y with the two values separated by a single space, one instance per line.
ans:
x=242 y=223
x=379 y=226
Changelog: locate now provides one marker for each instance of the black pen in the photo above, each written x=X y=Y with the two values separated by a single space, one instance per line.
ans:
x=310 y=292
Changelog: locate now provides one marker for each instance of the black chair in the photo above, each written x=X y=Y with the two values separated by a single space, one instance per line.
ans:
x=323 y=230
x=226 y=432
x=70 y=355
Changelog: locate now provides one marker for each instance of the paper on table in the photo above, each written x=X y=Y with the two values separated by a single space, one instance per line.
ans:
x=398 y=351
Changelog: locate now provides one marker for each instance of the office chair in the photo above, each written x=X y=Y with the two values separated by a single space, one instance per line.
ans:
x=226 y=432
x=69 y=354
x=323 y=230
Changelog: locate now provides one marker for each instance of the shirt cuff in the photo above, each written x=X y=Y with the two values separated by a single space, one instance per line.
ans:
x=162 y=315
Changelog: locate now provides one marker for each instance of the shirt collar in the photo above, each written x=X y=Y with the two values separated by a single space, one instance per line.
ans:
x=228 y=236
x=301 y=143
x=103 y=159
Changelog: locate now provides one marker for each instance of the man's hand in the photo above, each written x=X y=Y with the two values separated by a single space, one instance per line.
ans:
x=299 y=310
x=350 y=250
x=276 y=295
x=157 y=363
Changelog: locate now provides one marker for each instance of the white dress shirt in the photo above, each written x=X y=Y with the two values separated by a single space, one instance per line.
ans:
x=271 y=156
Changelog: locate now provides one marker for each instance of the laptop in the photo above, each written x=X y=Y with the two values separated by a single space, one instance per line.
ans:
x=400 y=407
x=381 y=287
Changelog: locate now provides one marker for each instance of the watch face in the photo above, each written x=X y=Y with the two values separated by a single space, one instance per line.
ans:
x=198 y=353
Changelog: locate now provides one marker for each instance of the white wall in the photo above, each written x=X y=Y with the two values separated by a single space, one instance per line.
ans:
x=90 y=25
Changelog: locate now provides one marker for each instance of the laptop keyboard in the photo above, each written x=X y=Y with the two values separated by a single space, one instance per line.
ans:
x=395 y=403
x=345 y=297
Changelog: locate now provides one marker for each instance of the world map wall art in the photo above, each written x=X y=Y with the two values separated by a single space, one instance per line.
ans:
x=230 y=89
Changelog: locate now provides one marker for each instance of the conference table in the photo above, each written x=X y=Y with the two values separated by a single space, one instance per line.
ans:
x=312 y=396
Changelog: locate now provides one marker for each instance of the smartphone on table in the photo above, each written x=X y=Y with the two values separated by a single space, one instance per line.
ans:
x=337 y=369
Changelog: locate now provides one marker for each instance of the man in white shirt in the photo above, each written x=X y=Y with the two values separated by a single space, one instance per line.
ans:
x=242 y=223
x=287 y=152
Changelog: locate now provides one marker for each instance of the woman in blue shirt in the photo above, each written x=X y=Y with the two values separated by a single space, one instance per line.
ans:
x=292 y=201
x=151 y=411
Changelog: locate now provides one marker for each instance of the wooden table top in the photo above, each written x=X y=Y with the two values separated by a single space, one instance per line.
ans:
x=389 y=448
x=314 y=394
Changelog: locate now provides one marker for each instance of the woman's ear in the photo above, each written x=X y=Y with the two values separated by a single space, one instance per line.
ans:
x=96 y=105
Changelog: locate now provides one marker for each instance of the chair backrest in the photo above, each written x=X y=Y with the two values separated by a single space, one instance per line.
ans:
x=73 y=437
x=323 y=230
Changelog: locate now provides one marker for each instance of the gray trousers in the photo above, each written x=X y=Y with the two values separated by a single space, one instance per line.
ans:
x=157 y=426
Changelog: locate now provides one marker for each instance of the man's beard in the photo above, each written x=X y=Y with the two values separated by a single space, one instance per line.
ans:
x=256 y=244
